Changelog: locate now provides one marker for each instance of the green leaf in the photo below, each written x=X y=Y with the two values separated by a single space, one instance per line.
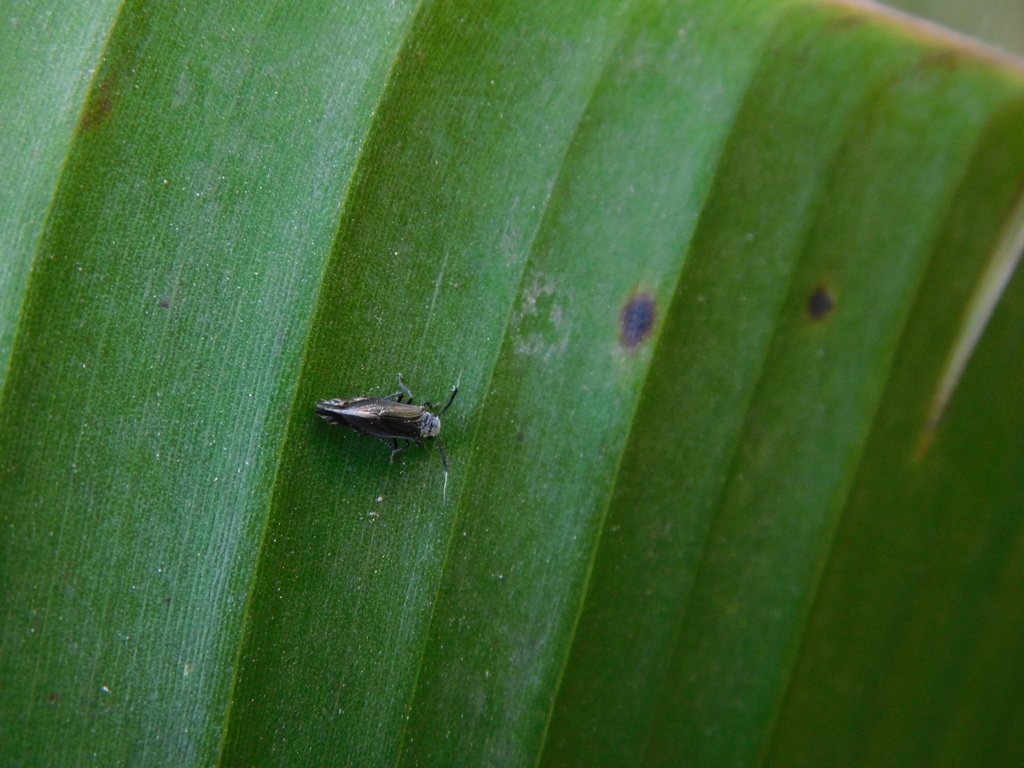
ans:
x=730 y=482
x=47 y=54
x=157 y=351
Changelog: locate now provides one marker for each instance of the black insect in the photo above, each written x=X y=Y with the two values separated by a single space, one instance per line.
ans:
x=389 y=420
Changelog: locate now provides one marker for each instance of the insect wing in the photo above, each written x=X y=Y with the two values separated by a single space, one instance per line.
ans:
x=400 y=420
x=374 y=416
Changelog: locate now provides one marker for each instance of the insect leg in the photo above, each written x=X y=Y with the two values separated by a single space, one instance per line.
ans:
x=396 y=449
x=404 y=388
x=383 y=440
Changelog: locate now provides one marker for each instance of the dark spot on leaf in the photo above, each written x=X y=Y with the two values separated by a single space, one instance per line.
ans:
x=521 y=437
x=945 y=60
x=167 y=601
x=53 y=698
x=847 y=21
x=165 y=303
x=100 y=104
x=820 y=304
x=637 y=319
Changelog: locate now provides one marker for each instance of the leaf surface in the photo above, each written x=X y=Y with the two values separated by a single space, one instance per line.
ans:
x=699 y=270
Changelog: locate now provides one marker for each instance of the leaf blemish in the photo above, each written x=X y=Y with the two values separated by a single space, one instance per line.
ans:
x=100 y=104
x=538 y=322
x=637 y=320
x=820 y=304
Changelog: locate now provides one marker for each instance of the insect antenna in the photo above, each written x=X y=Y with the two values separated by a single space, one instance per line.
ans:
x=444 y=461
x=452 y=398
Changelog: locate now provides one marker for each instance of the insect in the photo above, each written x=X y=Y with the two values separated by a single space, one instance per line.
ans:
x=390 y=420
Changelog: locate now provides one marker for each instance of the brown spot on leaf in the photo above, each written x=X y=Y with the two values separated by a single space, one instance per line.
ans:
x=100 y=104
x=847 y=21
x=945 y=60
